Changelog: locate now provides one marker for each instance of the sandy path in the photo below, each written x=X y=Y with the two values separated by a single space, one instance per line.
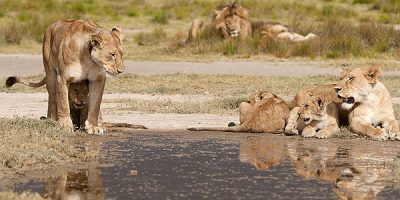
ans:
x=21 y=64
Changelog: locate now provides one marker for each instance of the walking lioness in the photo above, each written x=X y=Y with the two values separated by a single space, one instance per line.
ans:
x=76 y=50
x=369 y=102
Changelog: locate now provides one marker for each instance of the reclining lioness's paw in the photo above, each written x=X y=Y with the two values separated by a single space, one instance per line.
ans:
x=381 y=135
x=94 y=130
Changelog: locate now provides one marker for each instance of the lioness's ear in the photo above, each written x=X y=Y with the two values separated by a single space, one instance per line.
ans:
x=373 y=73
x=96 y=41
x=118 y=32
x=343 y=71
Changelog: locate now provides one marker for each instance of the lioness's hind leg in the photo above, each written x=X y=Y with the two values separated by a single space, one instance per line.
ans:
x=51 y=83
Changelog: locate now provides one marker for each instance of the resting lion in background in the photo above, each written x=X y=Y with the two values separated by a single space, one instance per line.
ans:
x=228 y=21
x=231 y=21
x=268 y=115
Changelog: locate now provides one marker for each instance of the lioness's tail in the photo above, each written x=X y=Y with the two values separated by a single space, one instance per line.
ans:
x=224 y=129
x=15 y=79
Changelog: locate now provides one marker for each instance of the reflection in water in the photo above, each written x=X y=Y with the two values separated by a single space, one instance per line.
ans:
x=357 y=169
x=85 y=184
x=207 y=166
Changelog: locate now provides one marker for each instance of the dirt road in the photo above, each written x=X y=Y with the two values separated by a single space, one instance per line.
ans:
x=22 y=64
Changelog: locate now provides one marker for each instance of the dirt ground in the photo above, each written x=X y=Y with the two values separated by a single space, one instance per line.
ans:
x=34 y=105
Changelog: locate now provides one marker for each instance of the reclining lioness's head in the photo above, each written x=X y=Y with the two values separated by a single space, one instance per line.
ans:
x=232 y=20
x=313 y=109
x=78 y=94
x=355 y=85
x=106 y=50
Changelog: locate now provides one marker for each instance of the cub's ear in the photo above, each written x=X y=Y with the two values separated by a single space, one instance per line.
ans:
x=320 y=103
x=344 y=71
x=117 y=31
x=96 y=41
x=372 y=73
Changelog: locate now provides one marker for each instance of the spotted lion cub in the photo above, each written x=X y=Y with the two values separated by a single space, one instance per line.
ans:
x=318 y=118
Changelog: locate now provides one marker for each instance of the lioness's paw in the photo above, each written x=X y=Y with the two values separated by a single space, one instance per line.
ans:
x=309 y=133
x=94 y=130
x=381 y=135
x=66 y=123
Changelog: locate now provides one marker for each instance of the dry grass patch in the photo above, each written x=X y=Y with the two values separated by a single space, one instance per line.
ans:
x=22 y=196
x=217 y=85
x=28 y=144
x=224 y=106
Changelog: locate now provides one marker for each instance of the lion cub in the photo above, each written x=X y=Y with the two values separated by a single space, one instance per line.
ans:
x=318 y=118
x=78 y=94
x=267 y=115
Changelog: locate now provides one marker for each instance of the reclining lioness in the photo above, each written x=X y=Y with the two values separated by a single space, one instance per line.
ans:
x=369 y=103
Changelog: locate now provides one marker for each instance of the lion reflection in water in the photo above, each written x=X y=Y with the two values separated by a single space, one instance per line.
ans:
x=355 y=172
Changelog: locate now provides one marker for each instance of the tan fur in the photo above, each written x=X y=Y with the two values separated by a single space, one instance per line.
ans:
x=369 y=103
x=331 y=113
x=280 y=31
x=228 y=21
x=76 y=50
x=245 y=107
x=318 y=118
x=267 y=116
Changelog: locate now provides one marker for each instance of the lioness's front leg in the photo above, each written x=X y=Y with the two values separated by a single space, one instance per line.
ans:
x=368 y=130
x=63 y=111
x=96 y=89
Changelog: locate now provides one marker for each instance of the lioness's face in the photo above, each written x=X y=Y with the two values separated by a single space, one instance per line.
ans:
x=355 y=85
x=233 y=25
x=78 y=94
x=313 y=109
x=106 y=51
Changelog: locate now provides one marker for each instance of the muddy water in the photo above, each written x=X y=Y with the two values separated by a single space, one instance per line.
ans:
x=187 y=165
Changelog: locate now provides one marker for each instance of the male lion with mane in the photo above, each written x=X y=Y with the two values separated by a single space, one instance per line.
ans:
x=77 y=50
x=231 y=21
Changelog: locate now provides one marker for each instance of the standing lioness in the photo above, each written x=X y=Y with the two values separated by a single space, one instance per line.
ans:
x=76 y=50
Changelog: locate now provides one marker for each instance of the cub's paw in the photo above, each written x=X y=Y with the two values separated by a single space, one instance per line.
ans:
x=94 y=130
x=323 y=134
x=290 y=129
x=309 y=133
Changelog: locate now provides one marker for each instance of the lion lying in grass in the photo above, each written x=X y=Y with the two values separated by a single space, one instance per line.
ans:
x=231 y=21
x=267 y=115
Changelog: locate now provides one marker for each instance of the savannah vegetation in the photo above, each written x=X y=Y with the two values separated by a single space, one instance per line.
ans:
x=156 y=29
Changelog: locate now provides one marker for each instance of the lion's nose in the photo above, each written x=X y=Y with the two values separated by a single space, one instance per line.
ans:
x=337 y=89
x=119 y=71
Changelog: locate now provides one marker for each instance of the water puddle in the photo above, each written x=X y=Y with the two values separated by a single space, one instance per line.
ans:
x=232 y=166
